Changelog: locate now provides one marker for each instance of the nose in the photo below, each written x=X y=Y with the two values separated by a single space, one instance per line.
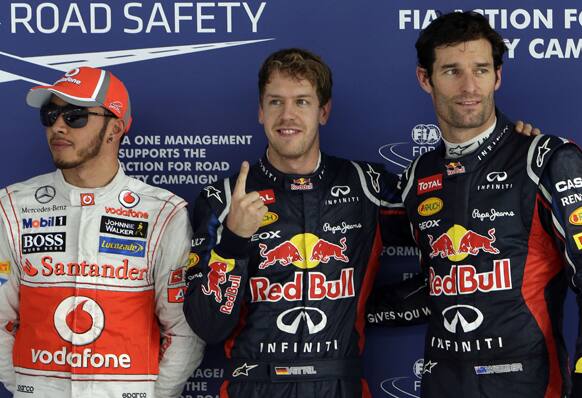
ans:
x=60 y=126
x=469 y=82
x=288 y=111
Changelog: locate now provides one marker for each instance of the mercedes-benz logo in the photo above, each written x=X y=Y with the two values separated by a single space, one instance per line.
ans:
x=304 y=313
x=45 y=194
x=458 y=317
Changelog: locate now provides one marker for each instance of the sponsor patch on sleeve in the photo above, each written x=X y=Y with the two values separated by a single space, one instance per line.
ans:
x=176 y=276
x=578 y=240
x=578 y=366
x=176 y=294
x=193 y=260
x=4 y=267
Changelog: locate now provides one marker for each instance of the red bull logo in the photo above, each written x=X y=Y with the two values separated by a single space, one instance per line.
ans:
x=318 y=287
x=284 y=254
x=303 y=251
x=457 y=243
x=464 y=279
x=454 y=168
x=324 y=250
x=301 y=184
x=216 y=277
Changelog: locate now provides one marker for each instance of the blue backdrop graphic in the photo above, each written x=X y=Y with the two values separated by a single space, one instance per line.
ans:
x=191 y=69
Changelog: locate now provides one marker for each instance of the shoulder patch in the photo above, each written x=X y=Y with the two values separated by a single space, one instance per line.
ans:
x=539 y=153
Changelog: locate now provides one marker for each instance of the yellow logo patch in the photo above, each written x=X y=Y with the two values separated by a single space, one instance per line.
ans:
x=269 y=218
x=430 y=206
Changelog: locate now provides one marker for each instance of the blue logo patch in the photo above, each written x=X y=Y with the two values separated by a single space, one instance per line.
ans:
x=134 y=248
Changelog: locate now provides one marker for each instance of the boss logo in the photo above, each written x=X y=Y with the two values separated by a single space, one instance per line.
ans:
x=25 y=389
x=43 y=242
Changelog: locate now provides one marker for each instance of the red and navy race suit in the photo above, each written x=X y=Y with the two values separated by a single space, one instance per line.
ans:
x=500 y=235
x=291 y=300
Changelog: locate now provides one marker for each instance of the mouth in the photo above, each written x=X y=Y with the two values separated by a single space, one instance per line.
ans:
x=288 y=131
x=60 y=144
x=468 y=102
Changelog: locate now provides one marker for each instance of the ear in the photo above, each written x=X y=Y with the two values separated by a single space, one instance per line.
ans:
x=498 y=78
x=324 y=112
x=423 y=79
x=261 y=114
x=117 y=129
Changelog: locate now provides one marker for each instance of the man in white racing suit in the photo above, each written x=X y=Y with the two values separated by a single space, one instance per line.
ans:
x=92 y=305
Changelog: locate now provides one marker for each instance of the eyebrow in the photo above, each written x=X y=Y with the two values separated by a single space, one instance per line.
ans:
x=478 y=64
x=296 y=96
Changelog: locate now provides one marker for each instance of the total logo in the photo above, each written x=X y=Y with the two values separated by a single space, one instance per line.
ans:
x=425 y=137
x=457 y=243
x=303 y=251
x=128 y=199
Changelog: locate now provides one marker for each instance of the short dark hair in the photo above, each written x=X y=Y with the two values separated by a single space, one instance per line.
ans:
x=299 y=64
x=454 y=28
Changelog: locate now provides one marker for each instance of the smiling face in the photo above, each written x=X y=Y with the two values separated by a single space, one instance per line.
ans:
x=73 y=147
x=291 y=115
x=462 y=85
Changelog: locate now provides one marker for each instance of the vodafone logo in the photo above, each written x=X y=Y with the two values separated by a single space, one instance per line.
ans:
x=79 y=320
x=73 y=72
x=87 y=199
x=128 y=198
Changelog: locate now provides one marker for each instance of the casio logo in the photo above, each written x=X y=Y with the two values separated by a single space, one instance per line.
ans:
x=562 y=186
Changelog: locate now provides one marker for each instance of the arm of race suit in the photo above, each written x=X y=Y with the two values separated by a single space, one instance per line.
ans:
x=562 y=178
x=8 y=310
x=217 y=283
x=181 y=350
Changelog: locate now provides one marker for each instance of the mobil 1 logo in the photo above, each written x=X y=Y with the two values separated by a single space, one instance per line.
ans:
x=124 y=227
x=43 y=242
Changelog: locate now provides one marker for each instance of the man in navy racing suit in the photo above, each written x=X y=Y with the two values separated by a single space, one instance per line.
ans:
x=284 y=258
x=498 y=220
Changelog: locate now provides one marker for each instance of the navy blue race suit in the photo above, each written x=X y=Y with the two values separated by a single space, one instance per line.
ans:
x=290 y=301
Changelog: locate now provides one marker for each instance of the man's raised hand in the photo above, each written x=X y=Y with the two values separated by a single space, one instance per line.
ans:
x=246 y=209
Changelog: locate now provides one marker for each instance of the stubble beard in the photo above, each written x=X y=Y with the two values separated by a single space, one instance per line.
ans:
x=459 y=120
x=84 y=154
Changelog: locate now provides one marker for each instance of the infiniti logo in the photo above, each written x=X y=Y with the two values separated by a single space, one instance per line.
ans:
x=44 y=194
x=303 y=313
x=498 y=176
x=340 y=190
x=458 y=317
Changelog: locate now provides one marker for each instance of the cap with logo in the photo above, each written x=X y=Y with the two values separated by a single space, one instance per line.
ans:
x=86 y=86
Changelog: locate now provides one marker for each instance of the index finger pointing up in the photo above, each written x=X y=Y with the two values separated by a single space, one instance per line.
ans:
x=241 y=181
